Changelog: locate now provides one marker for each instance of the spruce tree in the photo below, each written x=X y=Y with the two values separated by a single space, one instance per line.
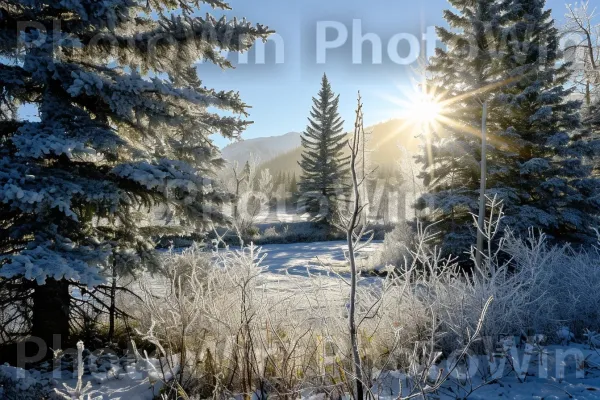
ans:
x=536 y=153
x=463 y=74
x=593 y=118
x=324 y=165
x=541 y=164
x=124 y=125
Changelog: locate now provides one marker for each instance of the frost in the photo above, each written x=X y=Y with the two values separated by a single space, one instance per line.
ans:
x=544 y=113
x=58 y=259
x=165 y=175
x=534 y=166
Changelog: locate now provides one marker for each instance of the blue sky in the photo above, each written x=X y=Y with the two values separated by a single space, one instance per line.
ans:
x=280 y=94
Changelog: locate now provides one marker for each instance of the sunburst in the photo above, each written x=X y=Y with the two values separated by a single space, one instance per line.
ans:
x=424 y=110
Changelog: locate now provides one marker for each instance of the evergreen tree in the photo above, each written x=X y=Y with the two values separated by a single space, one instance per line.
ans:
x=279 y=179
x=541 y=164
x=536 y=153
x=464 y=73
x=124 y=125
x=324 y=165
x=247 y=172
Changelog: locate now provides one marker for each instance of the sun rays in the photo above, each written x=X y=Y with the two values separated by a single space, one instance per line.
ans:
x=426 y=111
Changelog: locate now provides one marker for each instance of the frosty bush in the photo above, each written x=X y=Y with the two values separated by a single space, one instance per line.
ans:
x=537 y=287
x=564 y=279
x=232 y=328
x=397 y=246
x=229 y=327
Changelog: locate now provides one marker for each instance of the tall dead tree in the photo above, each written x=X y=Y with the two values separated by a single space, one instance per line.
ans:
x=355 y=226
x=585 y=52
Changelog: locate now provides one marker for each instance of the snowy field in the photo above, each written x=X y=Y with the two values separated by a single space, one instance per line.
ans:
x=288 y=265
x=540 y=372
x=311 y=258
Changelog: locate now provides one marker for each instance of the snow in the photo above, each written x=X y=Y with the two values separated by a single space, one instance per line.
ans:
x=315 y=258
x=59 y=259
x=280 y=216
x=560 y=375
x=516 y=371
x=138 y=381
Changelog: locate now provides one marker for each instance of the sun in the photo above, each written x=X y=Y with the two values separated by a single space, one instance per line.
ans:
x=420 y=107
x=423 y=110
x=426 y=109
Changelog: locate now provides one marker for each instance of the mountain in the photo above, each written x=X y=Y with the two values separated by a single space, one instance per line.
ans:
x=384 y=141
x=286 y=162
x=264 y=148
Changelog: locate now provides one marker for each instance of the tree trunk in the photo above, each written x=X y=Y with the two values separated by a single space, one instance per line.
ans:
x=51 y=314
x=481 y=217
x=588 y=95
x=113 y=308
x=357 y=370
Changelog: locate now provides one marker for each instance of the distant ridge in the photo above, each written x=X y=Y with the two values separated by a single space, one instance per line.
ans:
x=383 y=143
x=263 y=148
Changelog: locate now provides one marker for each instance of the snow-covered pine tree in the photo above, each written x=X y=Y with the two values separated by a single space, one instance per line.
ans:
x=537 y=154
x=463 y=74
x=541 y=166
x=124 y=124
x=324 y=165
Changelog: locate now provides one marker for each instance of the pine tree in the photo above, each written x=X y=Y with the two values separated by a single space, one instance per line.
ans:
x=124 y=125
x=324 y=166
x=541 y=166
x=464 y=74
x=536 y=154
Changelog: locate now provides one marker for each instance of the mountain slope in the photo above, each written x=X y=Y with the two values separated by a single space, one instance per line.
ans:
x=384 y=140
x=265 y=148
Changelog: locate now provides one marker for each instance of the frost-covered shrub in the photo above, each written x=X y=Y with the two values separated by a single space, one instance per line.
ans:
x=191 y=261
x=270 y=233
x=243 y=329
x=566 y=281
x=402 y=322
x=537 y=288
x=577 y=299
x=297 y=232
x=397 y=247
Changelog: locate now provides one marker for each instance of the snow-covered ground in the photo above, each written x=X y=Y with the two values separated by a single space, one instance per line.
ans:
x=280 y=216
x=288 y=266
x=562 y=372
x=559 y=372
x=314 y=258
x=552 y=372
